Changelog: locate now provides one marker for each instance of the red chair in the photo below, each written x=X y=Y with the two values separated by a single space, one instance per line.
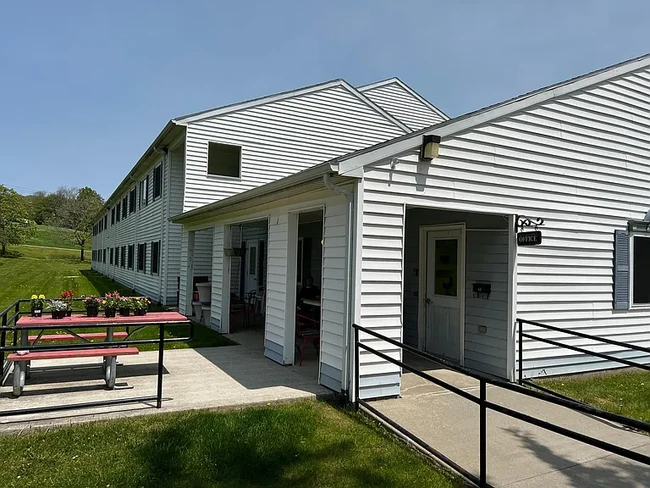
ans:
x=307 y=329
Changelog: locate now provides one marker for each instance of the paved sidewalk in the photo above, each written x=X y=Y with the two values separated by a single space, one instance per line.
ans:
x=215 y=377
x=519 y=454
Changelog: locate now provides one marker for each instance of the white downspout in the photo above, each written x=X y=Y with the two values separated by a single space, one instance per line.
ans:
x=348 y=300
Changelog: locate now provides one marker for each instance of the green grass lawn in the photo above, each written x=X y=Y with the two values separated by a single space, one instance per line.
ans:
x=35 y=270
x=307 y=444
x=49 y=236
x=625 y=392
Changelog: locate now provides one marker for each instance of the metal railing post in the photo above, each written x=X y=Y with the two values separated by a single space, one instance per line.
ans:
x=483 y=434
x=520 y=332
x=357 y=374
x=161 y=349
x=3 y=343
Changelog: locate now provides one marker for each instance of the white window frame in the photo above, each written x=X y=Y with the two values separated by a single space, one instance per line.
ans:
x=632 y=305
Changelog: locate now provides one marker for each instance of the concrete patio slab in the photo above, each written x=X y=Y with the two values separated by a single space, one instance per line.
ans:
x=217 y=377
x=519 y=454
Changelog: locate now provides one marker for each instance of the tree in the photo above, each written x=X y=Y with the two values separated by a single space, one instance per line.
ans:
x=79 y=213
x=15 y=226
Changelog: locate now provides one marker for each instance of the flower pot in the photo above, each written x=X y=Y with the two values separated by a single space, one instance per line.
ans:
x=140 y=312
x=92 y=311
x=68 y=313
x=37 y=312
x=125 y=312
x=109 y=312
x=58 y=314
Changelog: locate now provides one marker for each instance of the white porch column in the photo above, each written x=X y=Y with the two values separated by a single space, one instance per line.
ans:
x=217 y=278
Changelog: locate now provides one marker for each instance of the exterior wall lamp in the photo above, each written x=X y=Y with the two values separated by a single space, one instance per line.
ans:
x=429 y=148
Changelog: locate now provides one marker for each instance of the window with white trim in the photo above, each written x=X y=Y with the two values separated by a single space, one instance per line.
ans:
x=640 y=267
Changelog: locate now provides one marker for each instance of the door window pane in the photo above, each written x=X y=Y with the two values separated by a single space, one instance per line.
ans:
x=446 y=267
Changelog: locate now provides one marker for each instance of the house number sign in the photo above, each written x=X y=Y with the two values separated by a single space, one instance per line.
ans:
x=528 y=237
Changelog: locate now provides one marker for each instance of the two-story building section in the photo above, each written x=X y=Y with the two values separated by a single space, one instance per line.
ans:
x=204 y=157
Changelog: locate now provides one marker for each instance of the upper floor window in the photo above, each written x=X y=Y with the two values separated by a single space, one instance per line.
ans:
x=113 y=216
x=125 y=202
x=119 y=212
x=224 y=160
x=144 y=192
x=105 y=221
x=157 y=181
x=132 y=197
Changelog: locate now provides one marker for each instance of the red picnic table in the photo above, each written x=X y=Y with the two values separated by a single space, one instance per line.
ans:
x=22 y=359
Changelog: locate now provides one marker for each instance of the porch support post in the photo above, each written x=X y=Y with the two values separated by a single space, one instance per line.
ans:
x=512 y=297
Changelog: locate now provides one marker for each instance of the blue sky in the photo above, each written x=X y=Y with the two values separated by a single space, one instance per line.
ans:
x=85 y=86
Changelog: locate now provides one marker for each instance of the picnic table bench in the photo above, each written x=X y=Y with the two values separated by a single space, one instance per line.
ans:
x=109 y=353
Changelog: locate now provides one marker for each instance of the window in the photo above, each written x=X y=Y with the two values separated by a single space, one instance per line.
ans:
x=99 y=224
x=155 y=257
x=123 y=257
x=113 y=216
x=142 y=256
x=130 y=256
x=105 y=221
x=132 y=197
x=125 y=201
x=110 y=257
x=104 y=256
x=157 y=181
x=640 y=265
x=224 y=160
x=119 y=212
x=117 y=256
x=252 y=260
x=144 y=192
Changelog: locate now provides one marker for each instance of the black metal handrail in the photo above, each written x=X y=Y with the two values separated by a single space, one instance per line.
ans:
x=105 y=344
x=484 y=405
x=521 y=335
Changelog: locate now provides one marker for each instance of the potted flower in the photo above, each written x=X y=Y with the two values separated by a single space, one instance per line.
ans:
x=91 y=303
x=58 y=308
x=37 y=303
x=67 y=297
x=125 y=306
x=110 y=303
x=140 y=305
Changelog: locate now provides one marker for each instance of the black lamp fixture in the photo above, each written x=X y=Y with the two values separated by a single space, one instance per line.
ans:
x=429 y=148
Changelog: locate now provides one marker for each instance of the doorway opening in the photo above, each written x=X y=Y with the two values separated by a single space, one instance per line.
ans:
x=309 y=277
x=245 y=247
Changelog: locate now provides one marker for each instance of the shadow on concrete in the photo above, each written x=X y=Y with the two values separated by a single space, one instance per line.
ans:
x=608 y=472
x=253 y=371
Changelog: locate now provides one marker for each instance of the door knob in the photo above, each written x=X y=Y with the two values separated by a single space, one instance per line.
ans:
x=428 y=301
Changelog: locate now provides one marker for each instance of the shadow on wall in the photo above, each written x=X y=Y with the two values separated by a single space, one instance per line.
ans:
x=604 y=472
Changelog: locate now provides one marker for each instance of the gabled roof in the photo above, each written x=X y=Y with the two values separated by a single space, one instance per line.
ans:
x=406 y=143
x=205 y=114
x=397 y=81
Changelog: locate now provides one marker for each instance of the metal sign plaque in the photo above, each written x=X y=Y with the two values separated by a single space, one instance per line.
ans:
x=532 y=238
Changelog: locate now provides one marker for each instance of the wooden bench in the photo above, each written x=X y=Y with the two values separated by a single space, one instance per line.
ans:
x=109 y=354
x=72 y=337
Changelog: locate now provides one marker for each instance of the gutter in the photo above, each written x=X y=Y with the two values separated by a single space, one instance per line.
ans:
x=345 y=373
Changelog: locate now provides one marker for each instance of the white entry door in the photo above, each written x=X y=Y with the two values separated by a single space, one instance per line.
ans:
x=444 y=298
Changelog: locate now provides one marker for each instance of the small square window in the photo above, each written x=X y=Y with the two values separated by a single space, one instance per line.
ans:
x=224 y=160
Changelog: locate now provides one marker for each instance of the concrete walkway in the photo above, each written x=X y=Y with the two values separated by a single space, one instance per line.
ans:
x=215 y=377
x=519 y=454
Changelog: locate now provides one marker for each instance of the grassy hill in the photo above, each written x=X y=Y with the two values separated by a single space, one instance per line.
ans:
x=48 y=236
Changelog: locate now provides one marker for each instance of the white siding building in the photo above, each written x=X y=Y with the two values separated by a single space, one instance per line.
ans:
x=410 y=245
x=212 y=155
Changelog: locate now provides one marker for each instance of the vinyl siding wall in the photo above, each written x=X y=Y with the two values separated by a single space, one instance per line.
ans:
x=581 y=162
x=333 y=293
x=402 y=105
x=281 y=138
x=146 y=224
